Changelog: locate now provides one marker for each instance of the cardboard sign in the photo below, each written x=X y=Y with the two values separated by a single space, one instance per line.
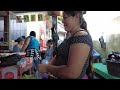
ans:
x=9 y=72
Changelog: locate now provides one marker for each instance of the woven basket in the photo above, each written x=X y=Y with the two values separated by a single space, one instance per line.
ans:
x=113 y=68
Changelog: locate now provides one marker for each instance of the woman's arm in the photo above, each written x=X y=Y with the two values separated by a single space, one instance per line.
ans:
x=78 y=54
x=52 y=61
x=27 y=40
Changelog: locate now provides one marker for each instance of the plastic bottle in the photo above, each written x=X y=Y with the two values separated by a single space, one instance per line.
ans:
x=22 y=63
x=38 y=75
x=18 y=63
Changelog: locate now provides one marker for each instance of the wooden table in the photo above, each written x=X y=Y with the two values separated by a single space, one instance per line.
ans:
x=26 y=68
x=101 y=69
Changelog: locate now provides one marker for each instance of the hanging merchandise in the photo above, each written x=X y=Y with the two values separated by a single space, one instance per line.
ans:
x=47 y=17
x=102 y=43
x=49 y=13
x=40 y=17
x=26 y=18
x=18 y=19
x=55 y=35
x=60 y=18
x=33 y=17
x=42 y=38
x=41 y=44
x=49 y=23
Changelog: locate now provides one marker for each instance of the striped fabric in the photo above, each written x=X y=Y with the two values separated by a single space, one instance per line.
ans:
x=33 y=53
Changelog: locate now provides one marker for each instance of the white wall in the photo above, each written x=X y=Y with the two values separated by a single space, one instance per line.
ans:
x=34 y=25
x=102 y=21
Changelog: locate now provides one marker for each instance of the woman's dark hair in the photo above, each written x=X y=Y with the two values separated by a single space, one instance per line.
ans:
x=73 y=13
x=84 y=25
x=23 y=37
x=89 y=71
x=32 y=33
x=17 y=41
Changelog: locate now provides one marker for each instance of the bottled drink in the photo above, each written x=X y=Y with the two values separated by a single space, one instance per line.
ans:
x=38 y=75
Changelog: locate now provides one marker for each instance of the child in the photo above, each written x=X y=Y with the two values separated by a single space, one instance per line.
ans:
x=48 y=53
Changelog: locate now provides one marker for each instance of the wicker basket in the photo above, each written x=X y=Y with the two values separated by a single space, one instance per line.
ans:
x=113 y=68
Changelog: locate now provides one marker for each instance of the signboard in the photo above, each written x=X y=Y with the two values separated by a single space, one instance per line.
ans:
x=40 y=17
x=26 y=18
x=33 y=17
x=19 y=19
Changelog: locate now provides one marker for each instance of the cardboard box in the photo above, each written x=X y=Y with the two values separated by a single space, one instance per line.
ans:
x=10 y=72
x=15 y=72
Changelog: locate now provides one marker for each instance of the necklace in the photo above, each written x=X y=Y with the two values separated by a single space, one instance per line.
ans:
x=76 y=32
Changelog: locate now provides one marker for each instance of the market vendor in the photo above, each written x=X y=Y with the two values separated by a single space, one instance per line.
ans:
x=18 y=46
x=31 y=47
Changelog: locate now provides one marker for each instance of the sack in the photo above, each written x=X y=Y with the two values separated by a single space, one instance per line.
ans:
x=10 y=60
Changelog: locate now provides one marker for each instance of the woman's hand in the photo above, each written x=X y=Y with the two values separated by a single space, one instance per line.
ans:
x=42 y=68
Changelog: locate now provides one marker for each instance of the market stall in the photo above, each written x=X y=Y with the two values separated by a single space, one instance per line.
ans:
x=16 y=71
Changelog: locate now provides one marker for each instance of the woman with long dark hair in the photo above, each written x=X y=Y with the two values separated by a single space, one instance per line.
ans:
x=89 y=70
x=73 y=54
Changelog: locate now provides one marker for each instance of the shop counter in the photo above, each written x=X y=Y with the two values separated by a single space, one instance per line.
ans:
x=24 y=69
